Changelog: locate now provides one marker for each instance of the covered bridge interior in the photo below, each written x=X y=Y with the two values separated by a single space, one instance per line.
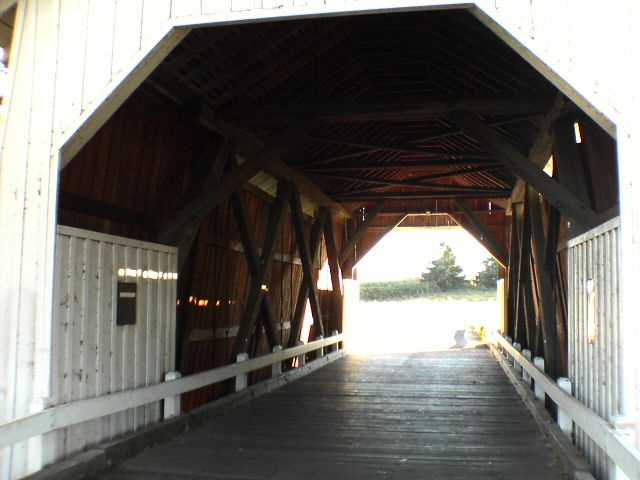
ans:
x=264 y=151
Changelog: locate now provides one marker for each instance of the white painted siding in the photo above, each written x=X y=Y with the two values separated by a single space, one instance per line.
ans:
x=594 y=330
x=92 y=355
x=57 y=101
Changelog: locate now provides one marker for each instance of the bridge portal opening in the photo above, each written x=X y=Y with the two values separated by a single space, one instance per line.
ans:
x=424 y=289
x=269 y=148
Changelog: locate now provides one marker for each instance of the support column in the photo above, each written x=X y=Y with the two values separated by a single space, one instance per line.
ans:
x=629 y=171
x=28 y=187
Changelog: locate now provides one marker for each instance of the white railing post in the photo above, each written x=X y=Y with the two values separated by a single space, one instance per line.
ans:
x=517 y=365
x=526 y=376
x=625 y=427
x=171 y=404
x=276 y=368
x=335 y=345
x=539 y=391
x=242 y=379
x=321 y=349
x=39 y=448
x=565 y=422
x=301 y=358
x=506 y=353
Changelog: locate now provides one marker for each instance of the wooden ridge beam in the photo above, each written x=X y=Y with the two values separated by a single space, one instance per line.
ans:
x=484 y=236
x=385 y=111
x=556 y=194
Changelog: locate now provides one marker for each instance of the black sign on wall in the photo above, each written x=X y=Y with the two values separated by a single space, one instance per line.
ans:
x=126 y=308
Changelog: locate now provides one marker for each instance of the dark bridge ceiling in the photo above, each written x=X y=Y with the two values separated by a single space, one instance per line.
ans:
x=361 y=105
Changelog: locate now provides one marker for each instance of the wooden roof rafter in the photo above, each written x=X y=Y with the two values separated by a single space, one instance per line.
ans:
x=398 y=110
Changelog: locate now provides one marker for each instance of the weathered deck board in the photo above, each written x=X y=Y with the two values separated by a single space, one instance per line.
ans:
x=438 y=415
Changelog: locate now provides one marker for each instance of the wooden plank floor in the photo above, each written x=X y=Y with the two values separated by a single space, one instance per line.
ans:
x=435 y=415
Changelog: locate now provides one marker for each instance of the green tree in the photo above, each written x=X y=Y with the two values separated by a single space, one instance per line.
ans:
x=444 y=272
x=487 y=278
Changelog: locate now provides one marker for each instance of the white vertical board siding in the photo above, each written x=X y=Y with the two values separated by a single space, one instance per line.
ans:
x=594 y=363
x=92 y=355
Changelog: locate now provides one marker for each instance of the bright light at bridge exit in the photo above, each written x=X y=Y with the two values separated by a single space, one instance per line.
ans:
x=405 y=253
x=419 y=324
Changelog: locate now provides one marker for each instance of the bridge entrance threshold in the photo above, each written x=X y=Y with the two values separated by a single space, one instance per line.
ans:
x=434 y=415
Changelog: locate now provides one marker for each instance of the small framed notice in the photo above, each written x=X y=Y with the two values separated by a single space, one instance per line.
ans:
x=127 y=299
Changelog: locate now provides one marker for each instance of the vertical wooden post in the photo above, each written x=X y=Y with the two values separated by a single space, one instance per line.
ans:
x=253 y=261
x=307 y=262
x=321 y=349
x=40 y=449
x=539 y=391
x=242 y=379
x=258 y=288
x=301 y=358
x=276 y=368
x=28 y=190
x=564 y=421
x=526 y=353
x=336 y=347
x=544 y=282
x=171 y=404
x=308 y=289
x=516 y=364
x=334 y=269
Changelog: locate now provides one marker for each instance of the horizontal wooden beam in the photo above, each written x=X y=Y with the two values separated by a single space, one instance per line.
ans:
x=397 y=147
x=419 y=181
x=280 y=170
x=518 y=163
x=320 y=166
x=80 y=204
x=398 y=110
x=444 y=195
x=412 y=182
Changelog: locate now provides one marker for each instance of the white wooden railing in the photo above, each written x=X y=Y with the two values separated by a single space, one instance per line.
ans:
x=571 y=411
x=74 y=413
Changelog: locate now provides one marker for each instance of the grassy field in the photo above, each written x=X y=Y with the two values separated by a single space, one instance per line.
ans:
x=417 y=325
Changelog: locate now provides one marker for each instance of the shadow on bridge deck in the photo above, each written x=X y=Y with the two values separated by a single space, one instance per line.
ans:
x=437 y=415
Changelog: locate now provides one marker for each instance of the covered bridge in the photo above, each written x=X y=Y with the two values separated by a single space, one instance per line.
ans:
x=174 y=174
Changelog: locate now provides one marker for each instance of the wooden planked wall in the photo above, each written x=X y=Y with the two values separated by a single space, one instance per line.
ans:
x=594 y=330
x=133 y=174
x=94 y=356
